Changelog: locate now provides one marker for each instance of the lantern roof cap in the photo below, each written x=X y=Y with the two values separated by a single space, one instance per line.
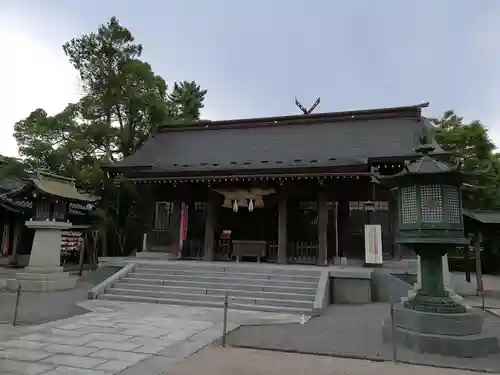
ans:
x=424 y=165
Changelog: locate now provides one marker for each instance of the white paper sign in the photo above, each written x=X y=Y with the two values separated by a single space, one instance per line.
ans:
x=373 y=244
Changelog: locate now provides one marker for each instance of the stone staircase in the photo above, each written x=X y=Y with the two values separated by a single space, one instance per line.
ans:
x=249 y=287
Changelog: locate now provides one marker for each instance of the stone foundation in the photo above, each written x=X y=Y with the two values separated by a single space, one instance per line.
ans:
x=44 y=272
x=457 y=335
x=32 y=279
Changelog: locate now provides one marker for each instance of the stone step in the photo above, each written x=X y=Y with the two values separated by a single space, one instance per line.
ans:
x=233 y=267
x=270 y=287
x=226 y=279
x=305 y=305
x=232 y=306
x=229 y=272
x=215 y=292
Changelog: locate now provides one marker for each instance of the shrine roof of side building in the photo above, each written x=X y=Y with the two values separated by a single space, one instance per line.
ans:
x=289 y=143
x=17 y=194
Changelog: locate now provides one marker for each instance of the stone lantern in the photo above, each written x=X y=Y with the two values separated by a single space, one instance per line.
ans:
x=430 y=223
x=50 y=196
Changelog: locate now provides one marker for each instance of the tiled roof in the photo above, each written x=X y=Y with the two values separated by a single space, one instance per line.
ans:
x=60 y=187
x=332 y=139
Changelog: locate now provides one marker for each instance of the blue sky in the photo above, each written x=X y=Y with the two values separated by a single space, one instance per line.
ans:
x=255 y=56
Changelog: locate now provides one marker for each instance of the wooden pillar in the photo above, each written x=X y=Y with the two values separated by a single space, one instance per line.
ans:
x=18 y=227
x=208 y=253
x=479 y=274
x=322 y=229
x=282 y=231
x=394 y=218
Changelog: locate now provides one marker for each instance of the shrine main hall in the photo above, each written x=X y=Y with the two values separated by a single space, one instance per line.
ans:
x=291 y=189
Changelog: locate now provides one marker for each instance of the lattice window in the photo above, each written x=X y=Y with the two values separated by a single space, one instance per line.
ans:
x=200 y=206
x=163 y=214
x=381 y=206
x=309 y=210
x=454 y=211
x=431 y=203
x=355 y=206
x=360 y=206
x=59 y=212
x=409 y=205
x=42 y=210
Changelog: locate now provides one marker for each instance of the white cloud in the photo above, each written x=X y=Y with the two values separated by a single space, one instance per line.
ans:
x=32 y=76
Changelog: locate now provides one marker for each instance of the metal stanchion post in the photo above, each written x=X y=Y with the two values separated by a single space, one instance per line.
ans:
x=18 y=298
x=224 y=323
x=393 y=329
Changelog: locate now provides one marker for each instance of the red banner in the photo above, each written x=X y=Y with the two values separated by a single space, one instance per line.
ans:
x=184 y=224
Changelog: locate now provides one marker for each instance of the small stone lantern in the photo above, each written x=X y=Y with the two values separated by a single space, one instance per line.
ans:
x=430 y=222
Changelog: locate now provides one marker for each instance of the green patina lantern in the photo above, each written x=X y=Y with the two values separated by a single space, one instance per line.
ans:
x=430 y=222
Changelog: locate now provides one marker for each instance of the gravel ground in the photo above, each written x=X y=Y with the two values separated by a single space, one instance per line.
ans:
x=352 y=331
x=232 y=361
x=38 y=308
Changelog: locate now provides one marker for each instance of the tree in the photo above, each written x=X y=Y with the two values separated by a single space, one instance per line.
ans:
x=123 y=101
x=186 y=101
x=124 y=91
x=471 y=144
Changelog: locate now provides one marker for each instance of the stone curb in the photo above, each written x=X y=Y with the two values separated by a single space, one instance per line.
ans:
x=321 y=297
x=110 y=281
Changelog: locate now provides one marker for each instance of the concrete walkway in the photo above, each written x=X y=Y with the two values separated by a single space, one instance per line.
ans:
x=231 y=361
x=356 y=332
x=491 y=284
x=117 y=337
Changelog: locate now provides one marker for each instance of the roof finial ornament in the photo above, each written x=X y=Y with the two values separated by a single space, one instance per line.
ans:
x=304 y=110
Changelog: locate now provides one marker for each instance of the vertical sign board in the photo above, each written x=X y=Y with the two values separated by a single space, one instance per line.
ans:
x=183 y=227
x=373 y=244
x=144 y=242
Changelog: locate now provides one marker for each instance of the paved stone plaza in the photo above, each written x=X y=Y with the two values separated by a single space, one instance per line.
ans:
x=117 y=337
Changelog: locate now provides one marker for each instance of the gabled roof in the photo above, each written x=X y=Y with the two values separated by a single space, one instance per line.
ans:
x=60 y=187
x=54 y=185
x=304 y=141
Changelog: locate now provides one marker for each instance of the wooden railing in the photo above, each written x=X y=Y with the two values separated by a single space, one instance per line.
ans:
x=300 y=252
x=272 y=252
x=303 y=252
x=223 y=250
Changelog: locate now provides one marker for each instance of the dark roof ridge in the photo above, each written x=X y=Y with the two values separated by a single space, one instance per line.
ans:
x=365 y=114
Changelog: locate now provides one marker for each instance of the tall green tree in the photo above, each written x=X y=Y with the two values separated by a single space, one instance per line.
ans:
x=471 y=144
x=186 y=101
x=123 y=101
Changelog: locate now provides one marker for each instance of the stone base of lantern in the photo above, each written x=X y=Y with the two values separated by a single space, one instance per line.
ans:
x=453 y=334
x=43 y=279
x=439 y=305
x=44 y=272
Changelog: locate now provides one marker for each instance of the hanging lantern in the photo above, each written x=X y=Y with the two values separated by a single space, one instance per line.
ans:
x=235 y=206
x=250 y=205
